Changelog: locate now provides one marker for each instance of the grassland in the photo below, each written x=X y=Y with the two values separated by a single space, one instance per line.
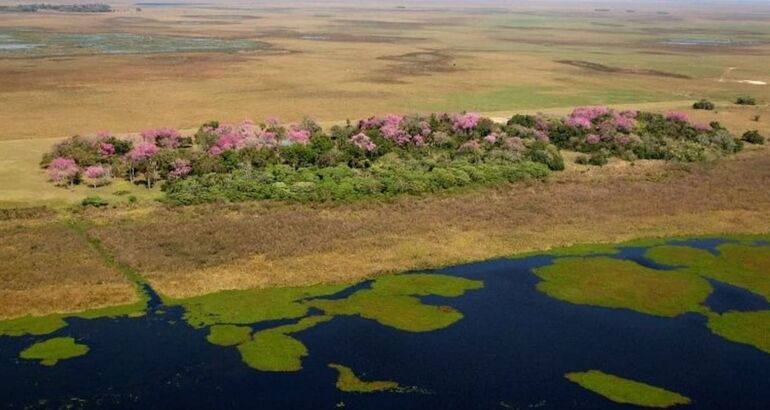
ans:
x=336 y=62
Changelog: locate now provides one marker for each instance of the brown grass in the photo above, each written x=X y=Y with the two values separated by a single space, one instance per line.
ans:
x=49 y=269
x=196 y=250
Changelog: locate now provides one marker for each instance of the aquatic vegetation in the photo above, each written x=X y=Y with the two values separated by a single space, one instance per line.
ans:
x=349 y=382
x=31 y=325
x=752 y=328
x=736 y=264
x=274 y=350
x=251 y=305
x=392 y=301
x=51 y=351
x=424 y=284
x=626 y=391
x=228 y=335
x=398 y=311
x=615 y=283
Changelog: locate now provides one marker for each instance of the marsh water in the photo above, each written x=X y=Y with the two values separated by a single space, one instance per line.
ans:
x=34 y=43
x=511 y=350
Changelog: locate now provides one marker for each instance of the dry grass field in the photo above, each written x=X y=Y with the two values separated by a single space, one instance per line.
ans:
x=339 y=61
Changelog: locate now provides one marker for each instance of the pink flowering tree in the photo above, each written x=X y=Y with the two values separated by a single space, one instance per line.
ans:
x=63 y=171
x=142 y=158
x=97 y=175
x=465 y=122
x=163 y=137
x=180 y=168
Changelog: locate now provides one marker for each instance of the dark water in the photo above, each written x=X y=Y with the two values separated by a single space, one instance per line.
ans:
x=510 y=351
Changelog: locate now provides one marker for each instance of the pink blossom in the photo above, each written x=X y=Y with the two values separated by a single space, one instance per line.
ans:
x=491 y=138
x=425 y=128
x=623 y=122
x=593 y=139
x=106 y=149
x=591 y=113
x=578 y=122
x=622 y=139
x=298 y=135
x=95 y=172
x=418 y=140
x=180 y=168
x=677 y=116
x=363 y=142
x=163 y=137
x=142 y=151
x=465 y=122
x=542 y=136
x=703 y=127
x=629 y=114
x=62 y=170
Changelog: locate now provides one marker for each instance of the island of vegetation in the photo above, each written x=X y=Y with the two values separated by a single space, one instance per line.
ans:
x=51 y=351
x=375 y=157
x=349 y=382
x=391 y=300
x=607 y=282
x=626 y=391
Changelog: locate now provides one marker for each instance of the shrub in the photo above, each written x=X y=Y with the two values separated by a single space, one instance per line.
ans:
x=746 y=100
x=753 y=137
x=703 y=105
x=599 y=158
x=95 y=201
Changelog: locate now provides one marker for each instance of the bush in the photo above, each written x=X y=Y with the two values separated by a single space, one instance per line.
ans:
x=599 y=158
x=95 y=201
x=703 y=105
x=746 y=100
x=753 y=137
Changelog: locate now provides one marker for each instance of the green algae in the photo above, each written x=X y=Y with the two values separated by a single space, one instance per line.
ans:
x=626 y=391
x=251 y=305
x=615 y=283
x=273 y=350
x=392 y=301
x=736 y=264
x=752 y=328
x=347 y=381
x=228 y=335
x=53 y=350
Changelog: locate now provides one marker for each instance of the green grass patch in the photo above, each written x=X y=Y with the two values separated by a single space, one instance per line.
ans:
x=392 y=301
x=31 y=325
x=273 y=350
x=737 y=264
x=51 y=351
x=349 y=382
x=228 y=335
x=614 y=283
x=251 y=305
x=752 y=328
x=626 y=391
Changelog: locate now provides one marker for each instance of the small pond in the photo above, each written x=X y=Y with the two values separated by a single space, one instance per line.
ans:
x=493 y=335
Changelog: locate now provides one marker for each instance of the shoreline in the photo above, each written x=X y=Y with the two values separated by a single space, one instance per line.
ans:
x=190 y=251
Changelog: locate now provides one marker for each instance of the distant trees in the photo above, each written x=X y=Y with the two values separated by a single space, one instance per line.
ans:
x=69 y=8
x=703 y=105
